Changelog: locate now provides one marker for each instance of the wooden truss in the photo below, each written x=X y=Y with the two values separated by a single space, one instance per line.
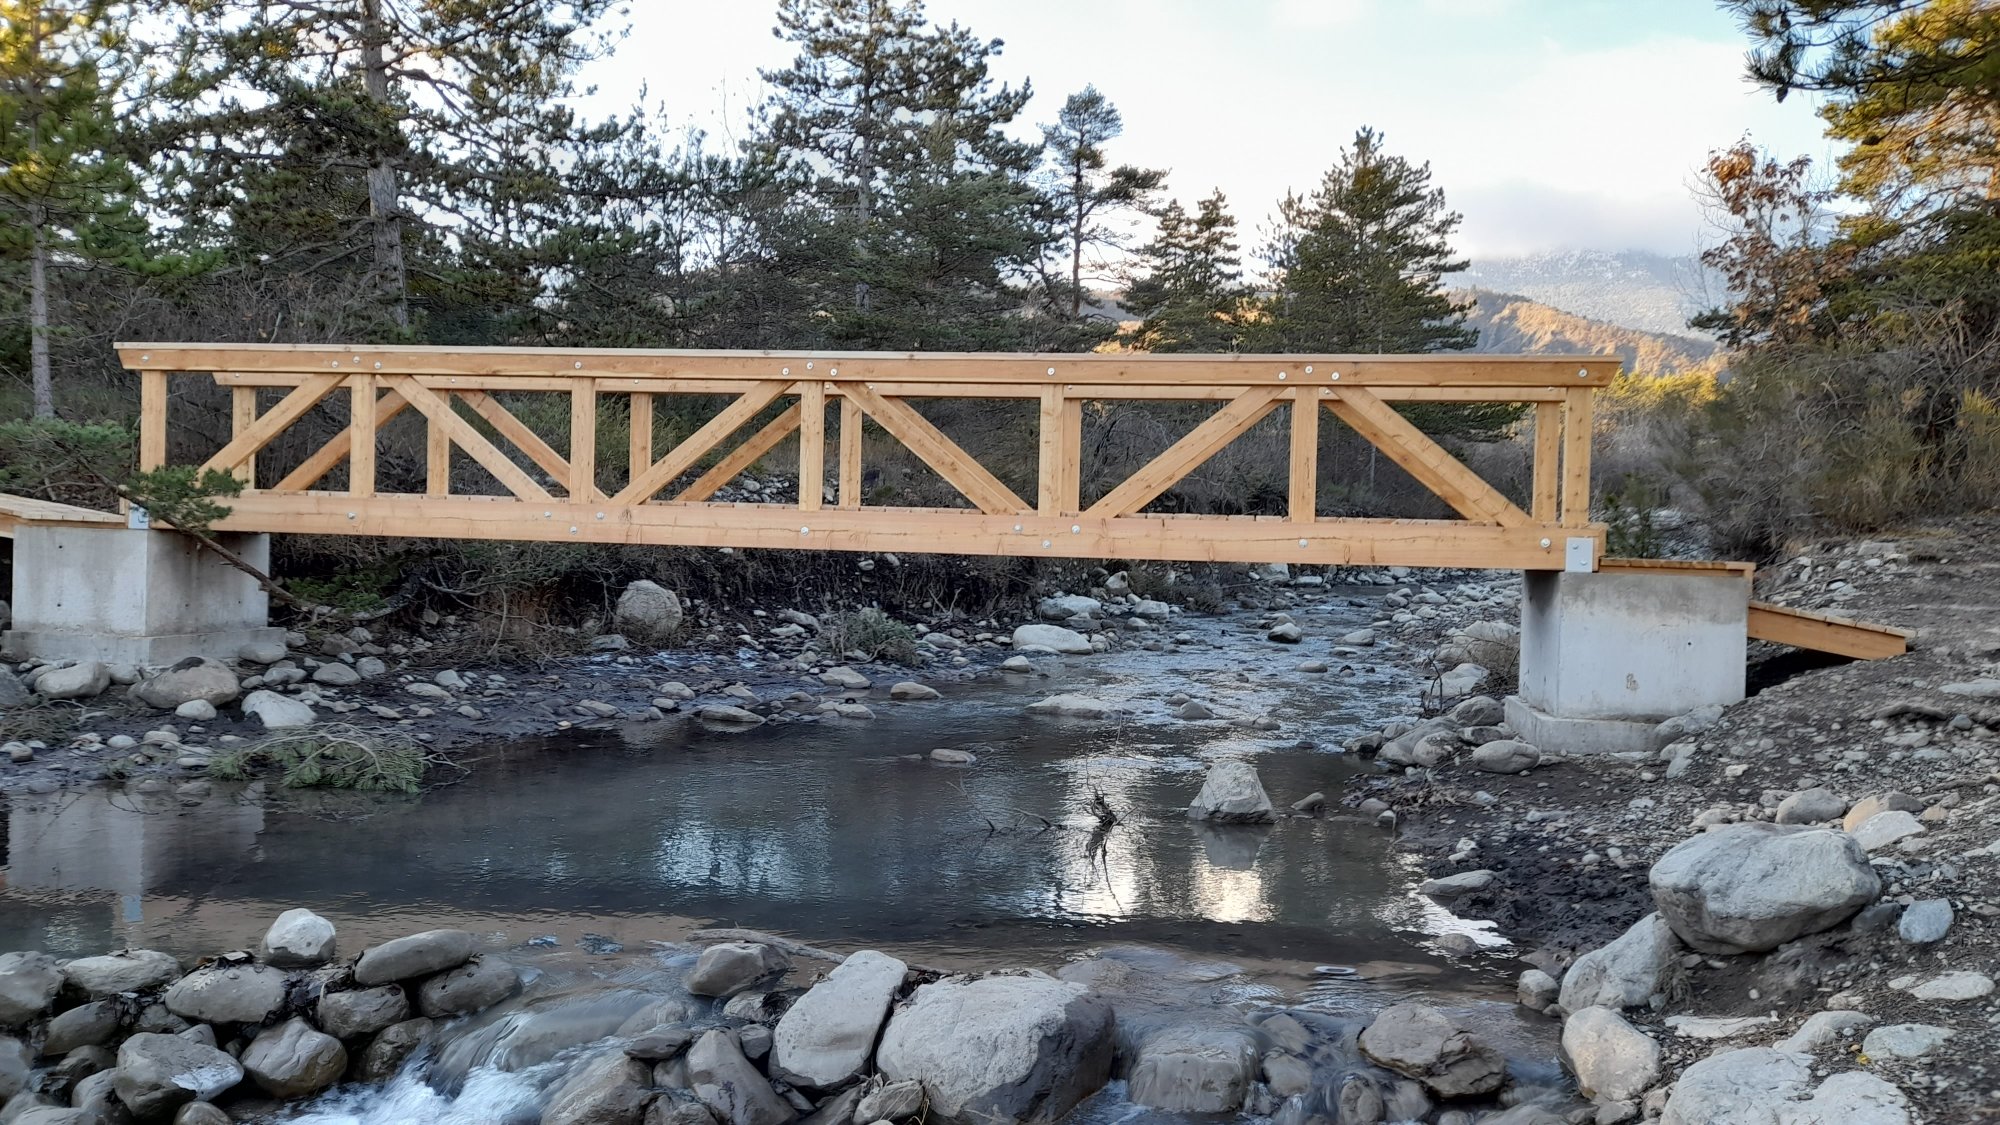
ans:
x=779 y=397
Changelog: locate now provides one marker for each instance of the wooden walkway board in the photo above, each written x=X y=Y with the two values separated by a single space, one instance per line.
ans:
x=17 y=510
x=1826 y=633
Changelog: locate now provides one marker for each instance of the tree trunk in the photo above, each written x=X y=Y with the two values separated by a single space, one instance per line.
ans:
x=384 y=211
x=1079 y=219
x=38 y=317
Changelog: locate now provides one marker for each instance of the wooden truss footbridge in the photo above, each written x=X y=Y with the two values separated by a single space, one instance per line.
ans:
x=472 y=403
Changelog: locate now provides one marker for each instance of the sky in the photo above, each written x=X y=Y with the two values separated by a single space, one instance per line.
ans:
x=1550 y=124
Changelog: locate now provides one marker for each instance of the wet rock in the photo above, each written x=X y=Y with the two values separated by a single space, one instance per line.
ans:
x=132 y=970
x=363 y=1011
x=676 y=1106
x=1420 y=1042
x=1536 y=990
x=825 y=1040
x=1020 y=664
x=1194 y=1070
x=1885 y=828
x=1613 y=1060
x=1193 y=709
x=16 y=1067
x=1627 y=972
x=91 y=1024
x=85 y=680
x=1285 y=633
x=201 y=1113
x=1925 y=922
x=660 y=1044
x=1744 y=888
x=299 y=939
x=1359 y=638
x=387 y=1052
x=844 y=678
x=196 y=711
x=910 y=691
x=730 y=1087
x=1020 y=1048
x=28 y=985
x=1070 y=706
x=472 y=987
x=610 y=1089
x=893 y=1101
x=1231 y=793
x=278 y=712
x=648 y=612
x=292 y=1060
x=159 y=1073
x=1506 y=756
x=1310 y=803
x=724 y=715
x=1868 y=807
x=952 y=757
x=734 y=967
x=1760 y=1084
x=228 y=994
x=1811 y=806
x=1053 y=638
x=417 y=955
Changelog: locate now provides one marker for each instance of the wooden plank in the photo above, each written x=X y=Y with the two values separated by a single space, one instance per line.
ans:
x=640 y=454
x=943 y=455
x=682 y=457
x=517 y=432
x=1825 y=633
x=742 y=457
x=582 y=479
x=258 y=434
x=437 y=455
x=242 y=414
x=1072 y=457
x=1578 y=429
x=1548 y=462
x=1185 y=455
x=152 y=419
x=361 y=431
x=1049 y=467
x=850 y=453
x=1680 y=567
x=461 y=433
x=1450 y=543
x=945 y=367
x=337 y=448
x=812 y=445
x=18 y=510
x=1423 y=458
x=1305 y=455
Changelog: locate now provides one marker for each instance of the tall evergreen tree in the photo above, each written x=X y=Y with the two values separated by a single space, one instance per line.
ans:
x=1087 y=195
x=65 y=191
x=1188 y=286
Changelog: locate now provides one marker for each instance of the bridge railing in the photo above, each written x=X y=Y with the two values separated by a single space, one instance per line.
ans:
x=666 y=496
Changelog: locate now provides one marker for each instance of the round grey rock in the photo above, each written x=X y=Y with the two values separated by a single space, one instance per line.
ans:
x=418 y=955
x=1925 y=921
x=1747 y=888
x=472 y=987
x=292 y=1060
x=299 y=939
x=157 y=1074
x=228 y=994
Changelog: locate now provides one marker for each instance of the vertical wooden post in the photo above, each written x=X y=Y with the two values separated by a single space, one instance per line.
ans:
x=1050 y=469
x=641 y=457
x=1305 y=454
x=1548 y=461
x=812 y=445
x=437 y=453
x=1577 y=427
x=152 y=420
x=1072 y=456
x=850 y=453
x=361 y=454
x=583 y=440
x=242 y=412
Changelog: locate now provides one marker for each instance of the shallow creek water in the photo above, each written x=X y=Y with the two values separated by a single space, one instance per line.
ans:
x=587 y=859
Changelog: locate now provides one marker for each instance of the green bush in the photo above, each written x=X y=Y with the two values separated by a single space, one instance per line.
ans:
x=873 y=633
x=333 y=756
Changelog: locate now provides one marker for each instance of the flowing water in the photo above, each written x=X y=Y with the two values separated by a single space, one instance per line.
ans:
x=589 y=858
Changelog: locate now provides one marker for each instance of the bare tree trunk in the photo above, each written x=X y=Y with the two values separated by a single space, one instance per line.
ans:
x=38 y=318
x=384 y=211
x=1078 y=220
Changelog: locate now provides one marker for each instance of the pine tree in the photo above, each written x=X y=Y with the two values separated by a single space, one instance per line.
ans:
x=65 y=193
x=1188 y=286
x=1087 y=197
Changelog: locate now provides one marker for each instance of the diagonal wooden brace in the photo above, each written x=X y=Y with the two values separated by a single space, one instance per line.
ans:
x=683 y=456
x=1184 y=456
x=526 y=440
x=942 y=454
x=427 y=403
x=1423 y=458
x=258 y=434
x=742 y=457
x=337 y=448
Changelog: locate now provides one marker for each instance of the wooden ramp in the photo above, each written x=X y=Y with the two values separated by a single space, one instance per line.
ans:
x=1824 y=632
x=17 y=510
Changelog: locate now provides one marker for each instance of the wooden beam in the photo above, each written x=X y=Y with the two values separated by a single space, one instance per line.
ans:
x=640 y=454
x=1547 y=462
x=337 y=448
x=1185 y=455
x=242 y=414
x=1680 y=567
x=1050 y=467
x=943 y=455
x=461 y=433
x=361 y=429
x=812 y=445
x=1424 y=458
x=682 y=457
x=152 y=419
x=273 y=422
x=582 y=479
x=1305 y=455
x=437 y=455
x=1578 y=430
x=742 y=457
x=1825 y=633
x=517 y=432
x=18 y=510
x=850 y=453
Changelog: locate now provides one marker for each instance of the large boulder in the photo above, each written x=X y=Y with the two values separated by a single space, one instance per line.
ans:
x=228 y=994
x=1194 y=1069
x=159 y=1073
x=387 y=1052
x=28 y=985
x=1232 y=793
x=362 y=1011
x=197 y=677
x=278 y=712
x=299 y=939
x=1613 y=1060
x=1070 y=706
x=826 y=1039
x=130 y=970
x=472 y=987
x=13 y=693
x=292 y=1060
x=16 y=1067
x=1625 y=973
x=1766 y=1086
x=611 y=1089
x=1747 y=888
x=1054 y=638
x=647 y=612
x=85 y=680
x=1014 y=1048
x=90 y=1024
x=1418 y=1041
x=1489 y=644
x=729 y=1086
x=733 y=967
x=1065 y=606
x=418 y=955
x=1506 y=755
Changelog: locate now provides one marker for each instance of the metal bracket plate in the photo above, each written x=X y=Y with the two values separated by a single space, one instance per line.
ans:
x=1579 y=555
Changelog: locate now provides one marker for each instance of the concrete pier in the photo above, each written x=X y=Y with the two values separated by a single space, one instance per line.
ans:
x=133 y=597
x=1606 y=657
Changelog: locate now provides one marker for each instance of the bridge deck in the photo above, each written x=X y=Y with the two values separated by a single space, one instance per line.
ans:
x=17 y=510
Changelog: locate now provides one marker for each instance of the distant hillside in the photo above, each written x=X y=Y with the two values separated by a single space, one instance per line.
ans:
x=1650 y=292
x=1509 y=322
